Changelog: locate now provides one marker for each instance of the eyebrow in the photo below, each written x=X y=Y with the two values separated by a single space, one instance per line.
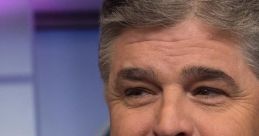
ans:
x=202 y=73
x=137 y=74
x=190 y=74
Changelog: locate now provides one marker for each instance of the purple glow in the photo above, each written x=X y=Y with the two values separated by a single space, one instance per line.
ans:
x=9 y=7
x=16 y=37
x=66 y=5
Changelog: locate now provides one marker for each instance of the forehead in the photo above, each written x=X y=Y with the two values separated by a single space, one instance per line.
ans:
x=188 y=37
x=189 y=29
x=173 y=48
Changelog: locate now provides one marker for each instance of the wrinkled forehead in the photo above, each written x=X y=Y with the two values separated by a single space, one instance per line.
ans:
x=187 y=30
x=187 y=38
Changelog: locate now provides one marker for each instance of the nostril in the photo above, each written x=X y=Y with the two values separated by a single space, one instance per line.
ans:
x=181 y=134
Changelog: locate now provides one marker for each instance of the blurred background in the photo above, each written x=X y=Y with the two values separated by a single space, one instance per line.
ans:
x=49 y=79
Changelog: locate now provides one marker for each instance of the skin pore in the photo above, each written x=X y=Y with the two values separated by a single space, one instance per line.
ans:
x=181 y=81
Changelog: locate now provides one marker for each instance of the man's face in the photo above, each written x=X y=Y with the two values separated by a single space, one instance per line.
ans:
x=181 y=81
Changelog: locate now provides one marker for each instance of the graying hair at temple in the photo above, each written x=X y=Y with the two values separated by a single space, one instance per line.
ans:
x=236 y=19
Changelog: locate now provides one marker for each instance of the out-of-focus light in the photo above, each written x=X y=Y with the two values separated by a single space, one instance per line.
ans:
x=9 y=7
x=66 y=5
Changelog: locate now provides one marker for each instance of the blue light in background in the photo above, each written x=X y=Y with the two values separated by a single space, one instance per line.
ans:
x=69 y=88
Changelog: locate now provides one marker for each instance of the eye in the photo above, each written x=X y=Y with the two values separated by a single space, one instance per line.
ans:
x=209 y=95
x=208 y=92
x=138 y=96
x=136 y=92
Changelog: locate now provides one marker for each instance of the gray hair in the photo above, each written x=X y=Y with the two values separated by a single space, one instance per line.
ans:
x=237 y=17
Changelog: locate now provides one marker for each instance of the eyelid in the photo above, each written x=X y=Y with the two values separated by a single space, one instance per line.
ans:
x=137 y=89
x=145 y=97
x=217 y=84
x=212 y=89
x=210 y=100
x=144 y=89
x=123 y=84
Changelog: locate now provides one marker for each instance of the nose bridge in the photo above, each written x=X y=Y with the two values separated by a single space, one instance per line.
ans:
x=172 y=117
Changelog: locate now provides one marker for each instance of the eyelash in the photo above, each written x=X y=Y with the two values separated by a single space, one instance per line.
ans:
x=209 y=96
x=209 y=92
x=202 y=90
x=136 y=92
x=138 y=96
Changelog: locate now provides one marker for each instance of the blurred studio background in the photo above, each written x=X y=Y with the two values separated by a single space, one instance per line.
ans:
x=49 y=79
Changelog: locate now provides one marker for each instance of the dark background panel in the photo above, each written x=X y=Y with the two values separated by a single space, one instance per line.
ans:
x=70 y=92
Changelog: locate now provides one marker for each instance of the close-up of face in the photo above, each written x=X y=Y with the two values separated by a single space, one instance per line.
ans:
x=185 y=80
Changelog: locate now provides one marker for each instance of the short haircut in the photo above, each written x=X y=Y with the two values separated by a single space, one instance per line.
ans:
x=237 y=18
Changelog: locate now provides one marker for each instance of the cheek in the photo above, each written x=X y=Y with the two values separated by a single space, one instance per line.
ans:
x=130 y=122
x=235 y=122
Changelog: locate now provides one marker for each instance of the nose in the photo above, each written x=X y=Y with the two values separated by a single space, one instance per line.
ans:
x=172 y=117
